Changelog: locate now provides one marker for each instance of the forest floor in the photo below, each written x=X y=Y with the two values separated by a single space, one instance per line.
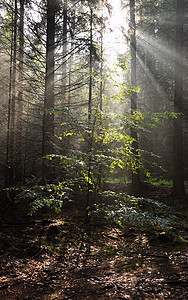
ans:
x=61 y=257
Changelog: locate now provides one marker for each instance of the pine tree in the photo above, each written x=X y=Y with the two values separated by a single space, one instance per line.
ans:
x=178 y=169
x=135 y=173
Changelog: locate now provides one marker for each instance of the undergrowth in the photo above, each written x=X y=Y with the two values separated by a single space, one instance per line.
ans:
x=123 y=209
x=140 y=212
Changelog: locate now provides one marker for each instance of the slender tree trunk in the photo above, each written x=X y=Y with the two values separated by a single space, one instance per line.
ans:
x=25 y=143
x=12 y=104
x=178 y=169
x=19 y=152
x=64 y=75
x=72 y=36
x=90 y=66
x=90 y=110
x=135 y=176
x=48 y=118
x=65 y=86
x=101 y=106
x=9 y=106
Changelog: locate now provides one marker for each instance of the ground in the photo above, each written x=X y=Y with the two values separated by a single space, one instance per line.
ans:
x=61 y=257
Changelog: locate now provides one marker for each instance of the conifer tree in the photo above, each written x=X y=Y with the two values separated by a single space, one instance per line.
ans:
x=178 y=169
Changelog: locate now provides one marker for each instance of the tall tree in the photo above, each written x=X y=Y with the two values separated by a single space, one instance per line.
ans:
x=90 y=138
x=65 y=32
x=135 y=173
x=48 y=118
x=101 y=101
x=10 y=155
x=90 y=64
x=19 y=125
x=178 y=169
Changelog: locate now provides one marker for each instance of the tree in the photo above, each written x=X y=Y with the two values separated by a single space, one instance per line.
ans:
x=90 y=65
x=19 y=120
x=135 y=173
x=48 y=118
x=156 y=74
x=178 y=169
x=64 y=75
x=10 y=155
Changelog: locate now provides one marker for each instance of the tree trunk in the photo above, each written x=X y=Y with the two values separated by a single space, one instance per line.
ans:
x=19 y=146
x=178 y=169
x=48 y=118
x=135 y=173
x=90 y=65
x=9 y=106
x=10 y=156
x=89 y=111
x=64 y=75
x=101 y=106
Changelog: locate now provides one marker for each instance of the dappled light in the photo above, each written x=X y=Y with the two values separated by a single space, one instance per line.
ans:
x=93 y=149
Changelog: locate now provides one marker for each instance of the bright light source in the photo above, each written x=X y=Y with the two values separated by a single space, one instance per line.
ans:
x=114 y=39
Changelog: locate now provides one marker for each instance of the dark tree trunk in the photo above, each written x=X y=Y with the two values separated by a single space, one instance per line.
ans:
x=135 y=173
x=10 y=156
x=19 y=141
x=101 y=105
x=64 y=75
x=48 y=118
x=9 y=106
x=90 y=139
x=178 y=169
x=72 y=36
x=90 y=65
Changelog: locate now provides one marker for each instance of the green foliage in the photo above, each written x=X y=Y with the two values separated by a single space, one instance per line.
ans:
x=158 y=181
x=110 y=142
x=104 y=140
x=82 y=167
x=15 y=194
x=140 y=212
x=108 y=135
x=53 y=196
x=109 y=179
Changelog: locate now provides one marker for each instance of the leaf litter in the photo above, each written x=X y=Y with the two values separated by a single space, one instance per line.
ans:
x=64 y=258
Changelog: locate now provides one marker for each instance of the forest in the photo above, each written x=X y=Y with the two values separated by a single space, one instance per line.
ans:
x=93 y=149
